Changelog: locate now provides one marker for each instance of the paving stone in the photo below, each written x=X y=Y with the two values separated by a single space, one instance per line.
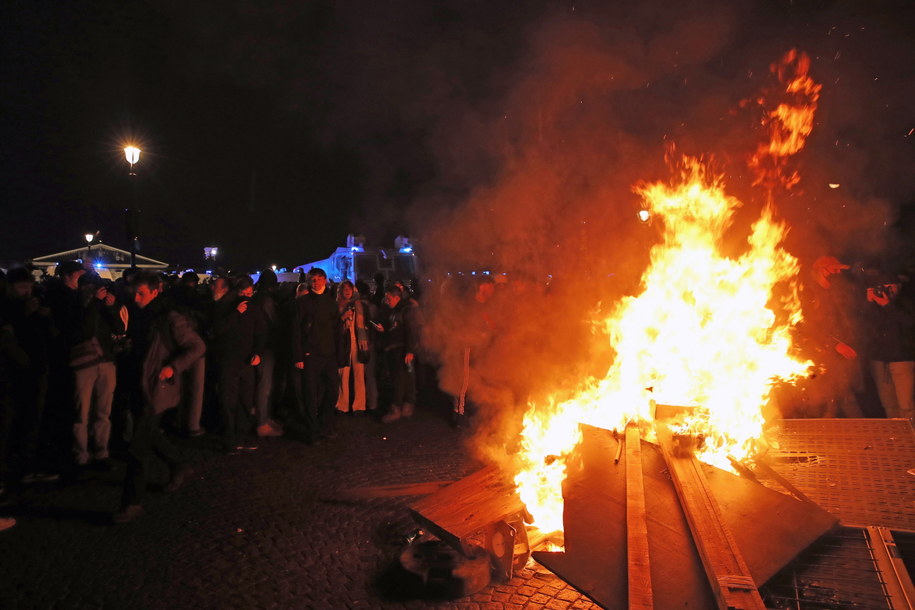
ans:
x=265 y=529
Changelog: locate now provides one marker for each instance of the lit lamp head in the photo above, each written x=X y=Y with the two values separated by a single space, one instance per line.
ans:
x=132 y=153
x=89 y=237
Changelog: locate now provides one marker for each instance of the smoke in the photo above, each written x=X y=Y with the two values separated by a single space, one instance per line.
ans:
x=591 y=106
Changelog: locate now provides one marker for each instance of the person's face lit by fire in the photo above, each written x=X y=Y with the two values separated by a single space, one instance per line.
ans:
x=347 y=291
x=219 y=288
x=145 y=295
x=826 y=266
x=391 y=299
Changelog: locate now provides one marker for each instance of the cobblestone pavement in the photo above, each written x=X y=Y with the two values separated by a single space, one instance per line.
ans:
x=265 y=529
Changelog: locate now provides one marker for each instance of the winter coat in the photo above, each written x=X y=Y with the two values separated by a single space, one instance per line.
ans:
x=172 y=342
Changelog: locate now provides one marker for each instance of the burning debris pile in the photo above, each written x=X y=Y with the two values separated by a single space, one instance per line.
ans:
x=707 y=330
x=710 y=332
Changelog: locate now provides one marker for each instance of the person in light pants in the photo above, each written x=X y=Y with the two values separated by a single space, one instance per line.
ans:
x=892 y=345
x=95 y=381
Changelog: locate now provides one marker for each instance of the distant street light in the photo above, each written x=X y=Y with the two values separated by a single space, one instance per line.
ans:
x=89 y=237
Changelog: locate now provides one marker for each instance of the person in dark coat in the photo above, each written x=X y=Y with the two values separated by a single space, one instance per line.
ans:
x=264 y=396
x=62 y=295
x=238 y=335
x=31 y=327
x=831 y=336
x=315 y=348
x=166 y=346
x=189 y=301
x=399 y=338
x=891 y=344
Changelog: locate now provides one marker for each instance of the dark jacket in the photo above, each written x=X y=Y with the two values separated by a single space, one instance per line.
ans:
x=890 y=331
x=236 y=337
x=171 y=342
x=401 y=327
x=315 y=326
x=67 y=311
x=265 y=300
x=104 y=323
x=32 y=333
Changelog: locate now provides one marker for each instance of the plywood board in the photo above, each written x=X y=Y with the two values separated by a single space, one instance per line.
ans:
x=770 y=528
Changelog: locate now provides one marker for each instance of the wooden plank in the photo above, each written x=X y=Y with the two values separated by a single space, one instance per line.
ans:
x=727 y=572
x=640 y=591
x=771 y=528
x=468 y=506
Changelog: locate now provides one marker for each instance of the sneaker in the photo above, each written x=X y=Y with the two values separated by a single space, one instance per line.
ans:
x=128 y=514
x=6 y=523
x=269 y=429
x=181 y=476
x=40 y=477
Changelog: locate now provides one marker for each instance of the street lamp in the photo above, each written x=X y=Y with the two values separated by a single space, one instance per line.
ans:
x=133 y=155
x=89 y=237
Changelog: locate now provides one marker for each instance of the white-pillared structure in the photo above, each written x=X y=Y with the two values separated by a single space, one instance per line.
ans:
x=107 y=260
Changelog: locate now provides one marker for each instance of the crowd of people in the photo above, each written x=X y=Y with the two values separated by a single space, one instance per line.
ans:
x=89 y=365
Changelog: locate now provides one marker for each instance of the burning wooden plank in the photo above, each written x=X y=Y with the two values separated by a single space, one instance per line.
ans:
x=727 y=572
x=640 y=590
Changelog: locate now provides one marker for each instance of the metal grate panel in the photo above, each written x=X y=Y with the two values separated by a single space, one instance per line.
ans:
x=836 y=573
x=861 y=470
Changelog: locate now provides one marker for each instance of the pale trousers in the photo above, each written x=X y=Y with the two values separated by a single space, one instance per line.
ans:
x=94 y=387
x=896 y=387
x=358 y=370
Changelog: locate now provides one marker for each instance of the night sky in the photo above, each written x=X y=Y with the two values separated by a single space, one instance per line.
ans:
x=272 y=129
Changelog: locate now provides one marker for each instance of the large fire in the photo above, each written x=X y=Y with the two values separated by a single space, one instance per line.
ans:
x=707 y=331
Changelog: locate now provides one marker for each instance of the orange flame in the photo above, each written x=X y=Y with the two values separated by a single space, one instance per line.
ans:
x=703 y=332
x=789 y=124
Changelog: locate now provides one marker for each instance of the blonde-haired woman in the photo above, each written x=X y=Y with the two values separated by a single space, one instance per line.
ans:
x=353 y=315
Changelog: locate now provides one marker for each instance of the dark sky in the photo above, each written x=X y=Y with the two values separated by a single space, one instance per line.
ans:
x=272 y=129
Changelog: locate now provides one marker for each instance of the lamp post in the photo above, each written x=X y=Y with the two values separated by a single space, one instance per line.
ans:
x=89 y=237
x=132 y=154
